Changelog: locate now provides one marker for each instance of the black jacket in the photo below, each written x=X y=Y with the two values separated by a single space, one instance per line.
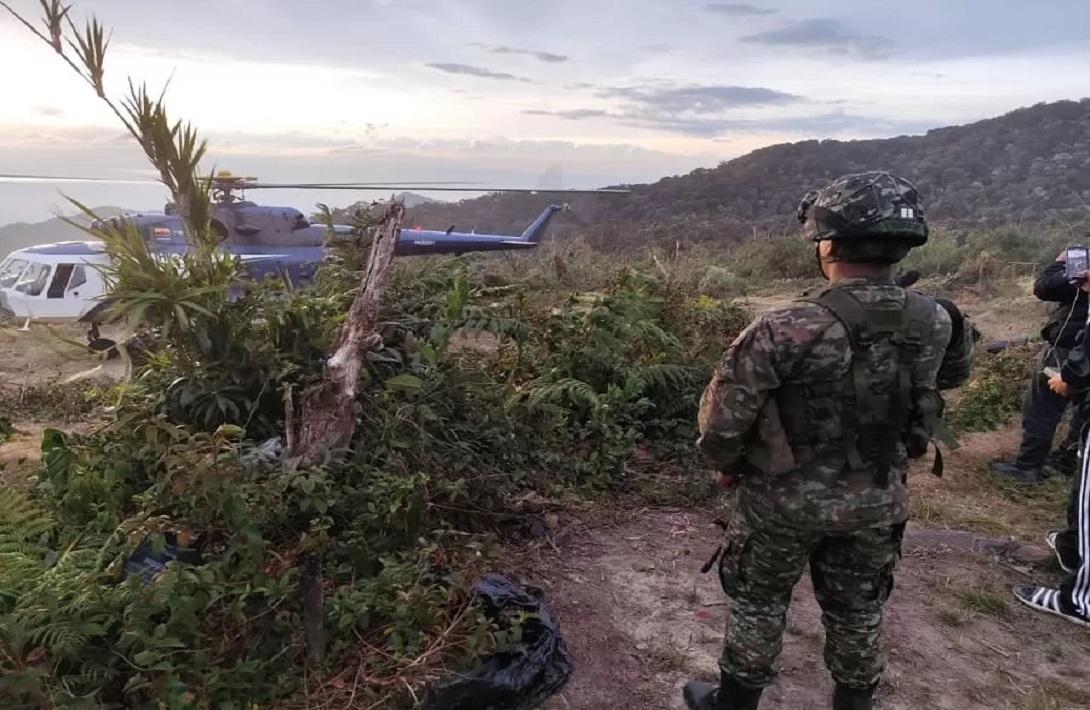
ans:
x=1052 y=285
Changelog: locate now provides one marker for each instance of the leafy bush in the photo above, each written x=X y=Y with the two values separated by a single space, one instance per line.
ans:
x=995 y=391
x=785 y=256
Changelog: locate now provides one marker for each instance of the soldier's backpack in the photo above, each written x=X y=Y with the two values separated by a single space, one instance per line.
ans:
x=872 y=425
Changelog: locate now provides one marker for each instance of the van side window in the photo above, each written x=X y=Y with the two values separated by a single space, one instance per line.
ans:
x=60 y=280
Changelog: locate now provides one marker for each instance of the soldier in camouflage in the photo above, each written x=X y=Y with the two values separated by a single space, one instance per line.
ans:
x=813 y=414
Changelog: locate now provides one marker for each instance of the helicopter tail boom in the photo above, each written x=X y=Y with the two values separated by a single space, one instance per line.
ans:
x=537 y=228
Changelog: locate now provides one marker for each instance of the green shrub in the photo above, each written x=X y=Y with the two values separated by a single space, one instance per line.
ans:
x=721 y=282
x=770 y=258
x=995 y=391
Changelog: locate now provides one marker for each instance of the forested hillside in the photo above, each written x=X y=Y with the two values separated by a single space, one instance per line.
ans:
x=1029 y=166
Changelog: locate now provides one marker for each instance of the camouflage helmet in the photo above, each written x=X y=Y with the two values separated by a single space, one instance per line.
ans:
x=865 y=207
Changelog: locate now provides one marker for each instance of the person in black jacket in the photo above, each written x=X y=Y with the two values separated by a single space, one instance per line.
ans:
x=1043 y=408
x=1071 y=601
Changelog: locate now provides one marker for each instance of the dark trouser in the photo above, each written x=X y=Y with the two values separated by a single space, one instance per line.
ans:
x=852 y=574
x=1075 y=590
x=1067 y=542
x=1042 y=411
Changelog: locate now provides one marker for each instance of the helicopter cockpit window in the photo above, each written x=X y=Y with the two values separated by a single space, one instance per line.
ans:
x=33 y=280
x=9 y=274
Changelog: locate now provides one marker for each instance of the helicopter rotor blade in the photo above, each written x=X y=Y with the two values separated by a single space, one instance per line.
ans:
x=435 y=186
x=33 y=179
x=29 y=178
x=342 y=185
x=439 y=188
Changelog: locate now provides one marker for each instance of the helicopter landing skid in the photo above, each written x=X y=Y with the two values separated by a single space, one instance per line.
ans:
x=26 y=326
x=96 y=342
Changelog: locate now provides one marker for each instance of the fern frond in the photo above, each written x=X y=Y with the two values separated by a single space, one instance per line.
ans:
x=22 y=521
x=567 y=390
x=668 y=376
x=62 y=637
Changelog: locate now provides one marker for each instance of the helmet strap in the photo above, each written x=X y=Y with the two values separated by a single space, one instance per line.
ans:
x=820 y=263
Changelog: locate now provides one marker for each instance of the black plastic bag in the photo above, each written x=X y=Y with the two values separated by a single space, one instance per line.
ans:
x=522 y=676
x=147 y=563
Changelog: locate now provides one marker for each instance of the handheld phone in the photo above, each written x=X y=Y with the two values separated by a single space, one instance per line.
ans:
x=1077 y=261
x=1051 y=372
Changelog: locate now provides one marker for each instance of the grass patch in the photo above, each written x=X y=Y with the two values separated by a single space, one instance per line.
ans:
x=669 y=657
x=1055 y=694
x=947 y=511
x=986 y=599
x=952 y=617
x=972 y=498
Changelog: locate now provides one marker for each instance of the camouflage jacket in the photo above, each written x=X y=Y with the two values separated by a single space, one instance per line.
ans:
x=803 y=346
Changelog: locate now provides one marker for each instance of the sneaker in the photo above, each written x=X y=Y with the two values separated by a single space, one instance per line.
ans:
x=1048 y=601
x=1050 y=540
x=1016 y=473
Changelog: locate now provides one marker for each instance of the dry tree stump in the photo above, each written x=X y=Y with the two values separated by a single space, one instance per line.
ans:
x=326 y=419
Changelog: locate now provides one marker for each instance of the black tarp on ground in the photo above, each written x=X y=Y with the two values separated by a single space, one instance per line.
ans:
x=520 y=677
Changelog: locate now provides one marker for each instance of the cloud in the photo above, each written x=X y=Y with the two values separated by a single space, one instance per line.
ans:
x=655 y=48
x=577 y=114
x=51 y=111
x=535 y=53
x=737 y=9
x=469 y=70
x=827 y=35
x=697 y=99
x=688 y=109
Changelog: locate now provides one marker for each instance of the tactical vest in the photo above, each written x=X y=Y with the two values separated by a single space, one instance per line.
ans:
x=872 y=413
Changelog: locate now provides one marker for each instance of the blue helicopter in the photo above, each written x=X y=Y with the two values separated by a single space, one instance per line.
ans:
x=61 y=282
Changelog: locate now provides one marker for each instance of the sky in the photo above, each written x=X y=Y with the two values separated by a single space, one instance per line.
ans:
x=522 y=94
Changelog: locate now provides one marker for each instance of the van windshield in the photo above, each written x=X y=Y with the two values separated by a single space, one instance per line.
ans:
x=10 y=271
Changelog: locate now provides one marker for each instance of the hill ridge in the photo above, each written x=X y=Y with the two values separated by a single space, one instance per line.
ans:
x=1028 y=166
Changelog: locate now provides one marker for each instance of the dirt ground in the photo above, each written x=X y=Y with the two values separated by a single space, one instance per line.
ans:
x=640 y=620
x=48 y=353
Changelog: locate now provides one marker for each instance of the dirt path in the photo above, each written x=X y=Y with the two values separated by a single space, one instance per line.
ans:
x=639 y=620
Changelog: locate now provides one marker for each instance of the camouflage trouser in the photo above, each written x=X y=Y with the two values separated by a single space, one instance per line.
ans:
x=852 y=574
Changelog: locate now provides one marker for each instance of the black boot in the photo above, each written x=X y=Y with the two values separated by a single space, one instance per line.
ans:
x=729 y=695
x=848 y=698
x=1018 y=474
